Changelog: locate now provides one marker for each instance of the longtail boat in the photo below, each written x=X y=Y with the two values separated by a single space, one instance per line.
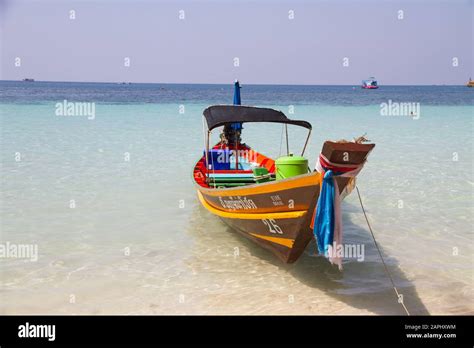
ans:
x=271 y=201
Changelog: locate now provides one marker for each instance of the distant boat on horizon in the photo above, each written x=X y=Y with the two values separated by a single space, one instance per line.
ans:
x=28 y=80
x=470 y=83
x=370 y=83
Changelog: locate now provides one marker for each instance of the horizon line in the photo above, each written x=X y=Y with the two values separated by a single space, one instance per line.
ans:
x=220 y=84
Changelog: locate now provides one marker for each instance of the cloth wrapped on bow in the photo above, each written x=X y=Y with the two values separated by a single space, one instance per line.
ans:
x=327 y=222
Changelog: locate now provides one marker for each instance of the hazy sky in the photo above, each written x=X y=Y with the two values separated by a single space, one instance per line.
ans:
x=421 y=48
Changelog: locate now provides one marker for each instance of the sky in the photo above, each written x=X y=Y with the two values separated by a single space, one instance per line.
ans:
x=258 y=42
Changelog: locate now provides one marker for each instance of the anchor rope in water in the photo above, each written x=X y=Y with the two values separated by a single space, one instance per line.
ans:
x=380 y=253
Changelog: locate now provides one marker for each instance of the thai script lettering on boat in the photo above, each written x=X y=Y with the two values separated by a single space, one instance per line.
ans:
x=238 y=203
x=276 y=200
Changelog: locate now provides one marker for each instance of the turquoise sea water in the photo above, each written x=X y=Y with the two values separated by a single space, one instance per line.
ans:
x=138 y=241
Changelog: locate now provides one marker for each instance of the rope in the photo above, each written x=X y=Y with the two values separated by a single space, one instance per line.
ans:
x=381 y=257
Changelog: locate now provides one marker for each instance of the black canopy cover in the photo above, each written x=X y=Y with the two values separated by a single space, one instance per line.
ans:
x=219 y=115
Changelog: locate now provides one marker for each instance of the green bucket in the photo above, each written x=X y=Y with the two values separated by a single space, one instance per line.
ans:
x=289 y=166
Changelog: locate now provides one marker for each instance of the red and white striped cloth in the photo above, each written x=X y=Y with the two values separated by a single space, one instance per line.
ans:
x=323 y=165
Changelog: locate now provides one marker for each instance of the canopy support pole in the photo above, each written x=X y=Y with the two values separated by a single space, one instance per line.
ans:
x=306 y=142
x=287 y=144
x=236 y=155
x=207 y=155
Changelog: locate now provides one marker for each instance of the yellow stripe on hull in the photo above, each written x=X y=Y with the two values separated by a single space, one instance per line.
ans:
x=251 y=216
x=282 y=241
x=274 y=186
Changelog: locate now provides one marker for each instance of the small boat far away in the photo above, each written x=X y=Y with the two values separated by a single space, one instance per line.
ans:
x=370 y=83
x=28 y=80
x=470 y=83
x=281 y=204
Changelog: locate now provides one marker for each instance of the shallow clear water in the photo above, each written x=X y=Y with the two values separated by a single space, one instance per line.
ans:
x=139 y=242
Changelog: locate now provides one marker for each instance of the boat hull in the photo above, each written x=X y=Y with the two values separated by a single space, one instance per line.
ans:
x=277 y=215
x=278 y=220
